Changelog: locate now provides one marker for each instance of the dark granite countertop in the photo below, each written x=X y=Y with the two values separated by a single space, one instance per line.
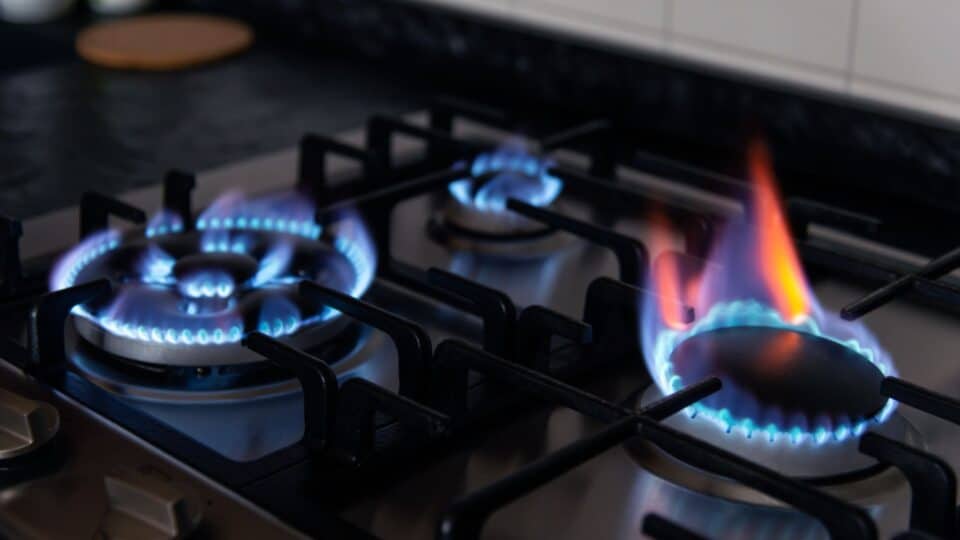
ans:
x=72 y=127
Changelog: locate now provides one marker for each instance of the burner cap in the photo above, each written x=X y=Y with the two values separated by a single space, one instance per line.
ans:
x=792 y=401
x=240 y=267
x=782 y=377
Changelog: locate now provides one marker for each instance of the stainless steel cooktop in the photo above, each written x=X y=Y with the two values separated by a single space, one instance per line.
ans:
x=606 y=497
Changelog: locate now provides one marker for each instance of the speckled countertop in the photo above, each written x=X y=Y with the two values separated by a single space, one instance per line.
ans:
x=72 y=127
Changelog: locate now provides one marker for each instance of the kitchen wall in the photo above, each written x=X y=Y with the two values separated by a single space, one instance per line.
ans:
x=892 y=51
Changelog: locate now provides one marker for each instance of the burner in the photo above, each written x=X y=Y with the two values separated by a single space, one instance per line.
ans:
x=186 y=297
x=838 y=468
x=476 y=215
x=793 y=399
x=782 y=382
x=773 y=377
x=794 y=373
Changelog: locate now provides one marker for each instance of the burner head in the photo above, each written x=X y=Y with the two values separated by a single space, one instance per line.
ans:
x=782 y=377
x=476 y=216
x=479 y=200
x=504 y=174
x=186 y=298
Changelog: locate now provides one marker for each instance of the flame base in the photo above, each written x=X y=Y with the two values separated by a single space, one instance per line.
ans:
x=788 y=429
x=839 y=468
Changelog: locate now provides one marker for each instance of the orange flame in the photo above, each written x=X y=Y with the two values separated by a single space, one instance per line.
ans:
x=667 y=279
x=779 y=265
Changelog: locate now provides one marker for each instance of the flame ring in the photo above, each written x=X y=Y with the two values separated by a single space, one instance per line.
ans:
x=100 y=244
x=487 y=199
x=755 y=314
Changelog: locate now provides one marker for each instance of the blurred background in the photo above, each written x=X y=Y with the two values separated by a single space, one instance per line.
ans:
x=858 y=91
x=885 y=50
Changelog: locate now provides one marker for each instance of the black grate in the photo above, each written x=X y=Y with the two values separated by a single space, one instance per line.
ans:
x=431 y=409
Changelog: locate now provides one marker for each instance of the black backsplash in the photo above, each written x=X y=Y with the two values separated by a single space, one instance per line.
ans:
x=893 y=163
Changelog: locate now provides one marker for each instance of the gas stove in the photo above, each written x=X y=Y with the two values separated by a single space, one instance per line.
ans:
x=466 y=323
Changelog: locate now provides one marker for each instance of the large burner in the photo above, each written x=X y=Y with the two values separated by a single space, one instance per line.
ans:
x=187 y=297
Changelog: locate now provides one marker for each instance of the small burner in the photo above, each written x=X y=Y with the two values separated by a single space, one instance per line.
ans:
x=476 y=216
x=186 y=298
x=504 y=174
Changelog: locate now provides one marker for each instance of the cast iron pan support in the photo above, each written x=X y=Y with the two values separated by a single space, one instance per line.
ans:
x=11 y=231
x=933 y=484
x=382 y=129
x=465 y=518
x=411 y=341
x=317 y=380
x=842 y=520
x=935 y=269
x=536 y=328
x=177 y=194
x=96 y=209
x=631 y=254
x=494 y=307
x=312 y=167
x=613 y=310
x=660 y=528
x=359 y=404
x=444 y=110
x=339 y=421
x=45 y=331
x=938 y=405
x=604 y=145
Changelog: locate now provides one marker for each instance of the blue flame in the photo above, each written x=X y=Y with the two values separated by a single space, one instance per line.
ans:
x=750 y=313
x=274 y=264
x=279 y=317
x=207 y=284
x=164 y=222
x=353 y=242
x=518 y=175
x=156 y=266
x=204 y=311
x=283 y=213
x=203 y=332
x=222 y=241
x=67 y=269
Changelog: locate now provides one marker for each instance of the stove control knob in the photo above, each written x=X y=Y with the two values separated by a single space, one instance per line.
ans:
x=25 y=425
x=146 y=504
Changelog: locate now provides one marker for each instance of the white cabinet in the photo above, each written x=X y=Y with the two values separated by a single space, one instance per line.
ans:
x=804 y=41
x=906 y=52
x=628 y=22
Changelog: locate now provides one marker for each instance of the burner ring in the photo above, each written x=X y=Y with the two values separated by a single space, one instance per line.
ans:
x=777 y=377
x=760 y=398
x=477 y=204
x=839 y=469
x=532 y=244
x=187 y=298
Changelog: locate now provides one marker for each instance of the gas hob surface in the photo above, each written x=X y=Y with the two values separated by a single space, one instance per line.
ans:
x=493 y=376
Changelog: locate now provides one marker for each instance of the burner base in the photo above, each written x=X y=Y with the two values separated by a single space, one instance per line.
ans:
x=213 y=383
x=838 y=469
x=532 y=244
x=197 y=356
